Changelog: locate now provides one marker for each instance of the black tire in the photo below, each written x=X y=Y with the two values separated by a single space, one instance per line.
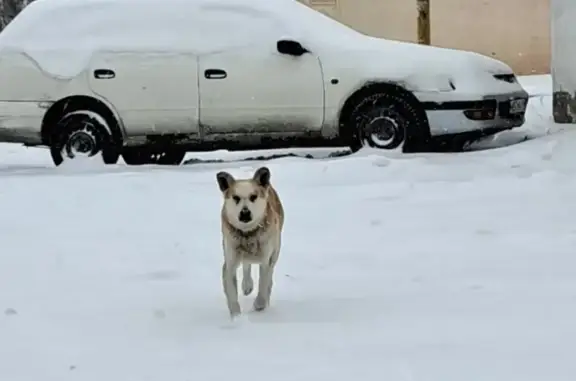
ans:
x=141 y=156
x=454 y=144
x=85 y=133
x=391 y=116
x=171 y=157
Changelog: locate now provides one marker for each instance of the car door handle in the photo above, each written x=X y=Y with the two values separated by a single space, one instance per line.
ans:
x=104 y=74
x=214 y=74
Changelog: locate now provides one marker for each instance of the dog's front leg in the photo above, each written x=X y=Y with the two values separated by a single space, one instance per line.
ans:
x=266 y=279
x=265 y=283
x=264 y=287
x=247 y=282
x=230 y=283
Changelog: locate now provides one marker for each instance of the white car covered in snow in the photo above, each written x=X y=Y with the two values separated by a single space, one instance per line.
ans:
x=152 y=79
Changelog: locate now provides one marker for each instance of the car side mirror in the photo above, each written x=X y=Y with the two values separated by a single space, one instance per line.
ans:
x=290 y=47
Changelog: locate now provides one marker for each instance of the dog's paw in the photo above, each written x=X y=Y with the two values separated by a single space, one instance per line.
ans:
x=235 y=322
x=247 y=286
x=234 y=309
x=260 y=303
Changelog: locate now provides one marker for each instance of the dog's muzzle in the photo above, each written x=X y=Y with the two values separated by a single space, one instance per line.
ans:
x=245 y=215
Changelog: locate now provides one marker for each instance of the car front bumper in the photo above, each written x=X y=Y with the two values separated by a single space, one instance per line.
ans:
x=490 y=113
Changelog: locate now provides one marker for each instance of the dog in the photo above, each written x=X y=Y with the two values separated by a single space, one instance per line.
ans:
x=252 y=221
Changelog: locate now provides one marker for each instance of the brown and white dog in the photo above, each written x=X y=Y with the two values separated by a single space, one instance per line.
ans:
x=252 y=222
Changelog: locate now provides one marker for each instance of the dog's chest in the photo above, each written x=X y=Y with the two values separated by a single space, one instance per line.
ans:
x=250 y=249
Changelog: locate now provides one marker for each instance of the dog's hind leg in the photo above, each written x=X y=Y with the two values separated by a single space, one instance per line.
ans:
x=247 y=281
x=230 y=283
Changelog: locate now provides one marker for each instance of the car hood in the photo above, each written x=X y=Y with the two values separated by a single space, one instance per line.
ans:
x=445 y=58
x=419 y=67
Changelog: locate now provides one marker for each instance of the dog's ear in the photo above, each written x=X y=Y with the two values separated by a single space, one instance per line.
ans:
x=225 y=180
x=262 y=176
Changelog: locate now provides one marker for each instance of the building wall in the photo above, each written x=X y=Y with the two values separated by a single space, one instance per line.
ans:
x=514 y=31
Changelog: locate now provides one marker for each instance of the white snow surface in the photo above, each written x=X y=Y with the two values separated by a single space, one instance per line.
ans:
x=425 y=267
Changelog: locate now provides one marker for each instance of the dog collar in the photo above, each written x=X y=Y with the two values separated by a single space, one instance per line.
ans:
x=246 y=234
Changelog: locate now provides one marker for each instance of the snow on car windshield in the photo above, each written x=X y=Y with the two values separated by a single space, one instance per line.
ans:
x=314 y=23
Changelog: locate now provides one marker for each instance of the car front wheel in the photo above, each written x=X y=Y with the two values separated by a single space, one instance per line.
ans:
x=386 y=121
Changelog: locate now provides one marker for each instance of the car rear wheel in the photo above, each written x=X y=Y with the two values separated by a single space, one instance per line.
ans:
x=82 y=134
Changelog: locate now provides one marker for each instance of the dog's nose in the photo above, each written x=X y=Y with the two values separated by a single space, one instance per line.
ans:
x=245 y=215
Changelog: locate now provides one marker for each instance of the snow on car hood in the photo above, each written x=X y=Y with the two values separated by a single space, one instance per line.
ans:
x=418 y=67
x=447 y=58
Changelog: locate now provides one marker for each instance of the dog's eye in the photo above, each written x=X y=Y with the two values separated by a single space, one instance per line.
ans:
x=236 y=199
x=253 y=198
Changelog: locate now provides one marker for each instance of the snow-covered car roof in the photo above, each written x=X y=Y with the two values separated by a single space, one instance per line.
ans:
x=127 y=23
x=47 y=30
x=61 y=36
x=149 y=24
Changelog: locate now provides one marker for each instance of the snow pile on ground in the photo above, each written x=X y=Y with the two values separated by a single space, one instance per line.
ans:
x=539 y=121
x=436 y=267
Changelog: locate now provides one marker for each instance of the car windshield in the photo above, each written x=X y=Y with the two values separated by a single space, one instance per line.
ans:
x=316 y=26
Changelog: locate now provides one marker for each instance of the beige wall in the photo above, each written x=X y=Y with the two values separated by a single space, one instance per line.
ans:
x=514 y=31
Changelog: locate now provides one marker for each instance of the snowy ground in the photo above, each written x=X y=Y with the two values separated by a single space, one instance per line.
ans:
x=427 y=267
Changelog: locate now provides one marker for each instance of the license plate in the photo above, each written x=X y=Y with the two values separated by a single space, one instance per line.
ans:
x=517 y=106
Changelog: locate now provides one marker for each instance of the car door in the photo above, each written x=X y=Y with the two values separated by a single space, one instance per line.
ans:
x=248 y=86
x=154 y=93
